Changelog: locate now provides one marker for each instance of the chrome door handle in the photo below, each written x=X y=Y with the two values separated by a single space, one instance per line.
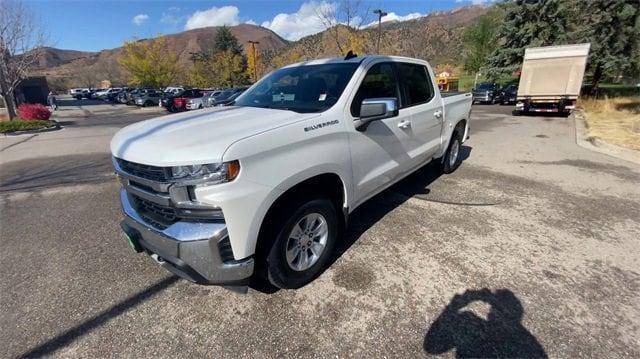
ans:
x=438 y=114
x=404 y=124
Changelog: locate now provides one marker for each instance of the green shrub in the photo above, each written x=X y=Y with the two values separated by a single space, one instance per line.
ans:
x=19 y=125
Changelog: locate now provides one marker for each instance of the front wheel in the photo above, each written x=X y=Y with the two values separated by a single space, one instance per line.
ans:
x=451 y=160
x=303 y=244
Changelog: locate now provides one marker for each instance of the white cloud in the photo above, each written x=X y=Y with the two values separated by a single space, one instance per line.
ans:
x=251 y=22
x=140 y=19
x=392 y=16
x=301 y=23
x=226 y=15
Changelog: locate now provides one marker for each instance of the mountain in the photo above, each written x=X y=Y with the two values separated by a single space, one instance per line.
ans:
x=436 y=38
x=103 y=64
x=52 y=57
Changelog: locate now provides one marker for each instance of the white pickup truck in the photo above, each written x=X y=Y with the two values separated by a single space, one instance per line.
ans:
x=264 y=187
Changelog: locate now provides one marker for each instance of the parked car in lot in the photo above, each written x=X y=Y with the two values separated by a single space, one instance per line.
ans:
x=194 y=103
x=224 y=97
x=485 y=93
x=105 y=93
x=82 y=93
x=264 y=188
x=172 y=90
x=178 y=102
x=113 y=95
x=76 y=91
x=122 y=96
x=507 y=95
x=93 y=93
x=148 y=98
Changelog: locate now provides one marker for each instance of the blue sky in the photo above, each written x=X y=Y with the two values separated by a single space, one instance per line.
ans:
x=92 y=25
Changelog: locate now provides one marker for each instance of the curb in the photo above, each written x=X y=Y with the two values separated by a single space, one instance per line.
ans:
x=55 y=127
x=597 y=145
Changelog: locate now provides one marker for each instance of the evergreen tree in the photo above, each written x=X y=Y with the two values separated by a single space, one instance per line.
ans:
x=225 y=41
x=613 y=29
x=480 y=40
x=225 y=65
x=527 y=23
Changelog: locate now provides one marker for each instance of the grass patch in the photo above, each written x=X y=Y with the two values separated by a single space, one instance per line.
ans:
x=614 y=120
x=19 y=125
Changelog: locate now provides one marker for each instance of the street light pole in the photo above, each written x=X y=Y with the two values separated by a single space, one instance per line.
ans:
x=380 y=14
x=253 y=53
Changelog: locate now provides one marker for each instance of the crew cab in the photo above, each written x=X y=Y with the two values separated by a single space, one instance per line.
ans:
x=262 y=189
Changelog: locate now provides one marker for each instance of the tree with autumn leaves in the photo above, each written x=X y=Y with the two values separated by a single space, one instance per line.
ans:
x=224 y=65
x=148 y=63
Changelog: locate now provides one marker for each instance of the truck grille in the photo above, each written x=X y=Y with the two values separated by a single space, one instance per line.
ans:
x=159 y=216
x=152 y=173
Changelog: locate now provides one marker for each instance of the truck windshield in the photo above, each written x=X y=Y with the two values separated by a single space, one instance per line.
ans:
x=309 y=88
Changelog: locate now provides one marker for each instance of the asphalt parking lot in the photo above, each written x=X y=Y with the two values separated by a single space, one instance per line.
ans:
x=529 y=249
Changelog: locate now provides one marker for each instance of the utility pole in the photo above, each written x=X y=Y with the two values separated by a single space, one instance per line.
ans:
x=255 y=59
x=380 y=14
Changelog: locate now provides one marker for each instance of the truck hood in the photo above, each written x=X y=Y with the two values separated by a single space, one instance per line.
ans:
x=196 y=137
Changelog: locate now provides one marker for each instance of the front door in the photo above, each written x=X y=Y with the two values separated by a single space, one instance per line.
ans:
x=381 y=151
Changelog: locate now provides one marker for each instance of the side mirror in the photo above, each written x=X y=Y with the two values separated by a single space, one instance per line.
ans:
x=373 y=109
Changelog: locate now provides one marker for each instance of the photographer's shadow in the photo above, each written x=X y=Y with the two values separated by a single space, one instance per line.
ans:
x=500 y=335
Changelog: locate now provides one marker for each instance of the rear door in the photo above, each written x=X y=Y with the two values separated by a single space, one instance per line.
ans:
x=421 y=102
x=379 y=152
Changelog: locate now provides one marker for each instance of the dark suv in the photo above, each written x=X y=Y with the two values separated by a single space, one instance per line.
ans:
x=486 y=92
x=508 y=95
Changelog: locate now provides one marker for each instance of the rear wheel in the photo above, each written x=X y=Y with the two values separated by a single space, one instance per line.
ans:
x=451 y=160
x=303 y=244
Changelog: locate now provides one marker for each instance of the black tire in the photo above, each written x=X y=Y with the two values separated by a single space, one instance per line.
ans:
x=447 y=165
x=278 y=270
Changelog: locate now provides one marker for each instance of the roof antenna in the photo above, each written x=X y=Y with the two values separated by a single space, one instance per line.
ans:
x=350 y=55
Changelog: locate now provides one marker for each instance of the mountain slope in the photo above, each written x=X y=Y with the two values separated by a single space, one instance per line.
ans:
x=436 y=38
x=52 y=57
x=103 y=65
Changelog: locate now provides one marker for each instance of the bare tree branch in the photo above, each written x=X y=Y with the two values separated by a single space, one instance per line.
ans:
x=349 y=15
x=21 y=45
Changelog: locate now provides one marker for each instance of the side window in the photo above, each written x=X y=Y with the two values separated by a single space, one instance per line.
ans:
x=380 y=81
x=415 y=84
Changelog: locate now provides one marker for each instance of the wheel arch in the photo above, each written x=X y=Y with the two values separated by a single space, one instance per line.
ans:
x=461 y=123
x=327 y=184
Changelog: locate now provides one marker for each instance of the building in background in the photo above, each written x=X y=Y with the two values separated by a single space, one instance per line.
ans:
x=32 y=90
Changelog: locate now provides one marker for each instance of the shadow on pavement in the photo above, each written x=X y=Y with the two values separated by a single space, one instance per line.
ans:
x=46 y=172
x=373 y=210
x=63 y=339
x=500 y=335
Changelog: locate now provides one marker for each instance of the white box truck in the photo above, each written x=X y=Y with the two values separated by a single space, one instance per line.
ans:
x=551 y=78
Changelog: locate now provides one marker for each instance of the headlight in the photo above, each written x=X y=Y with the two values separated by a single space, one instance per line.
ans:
x=213 y=173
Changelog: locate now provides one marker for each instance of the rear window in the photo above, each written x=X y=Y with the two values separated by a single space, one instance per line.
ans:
x=415 y=84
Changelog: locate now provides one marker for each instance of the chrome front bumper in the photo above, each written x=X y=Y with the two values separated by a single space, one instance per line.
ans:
x=190 y=250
